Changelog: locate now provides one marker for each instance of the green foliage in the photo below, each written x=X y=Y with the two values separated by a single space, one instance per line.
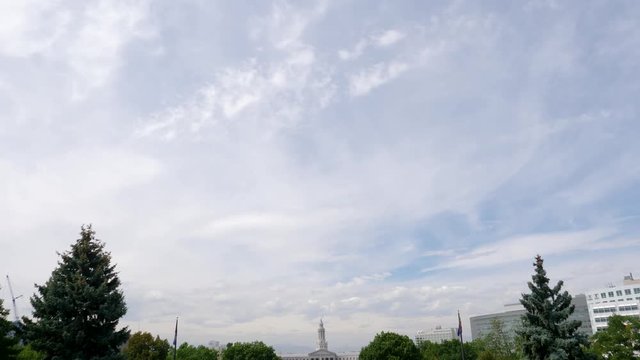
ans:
x=450 y=350
x=619 y=340
x=8 y=341
x=498 y=344
x=487 y=355
x=142 y=346
x=390 y=346
x=77 y=310
x=190 y=352
x=546 y=331
x=27 y=353
x=249 y=351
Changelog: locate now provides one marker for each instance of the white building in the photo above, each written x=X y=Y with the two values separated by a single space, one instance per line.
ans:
x=436 y=335
x=322 y=351
x=614 y=299
x=511 y=318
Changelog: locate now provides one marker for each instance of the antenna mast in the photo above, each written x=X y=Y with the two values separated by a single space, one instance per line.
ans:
x=13 y=300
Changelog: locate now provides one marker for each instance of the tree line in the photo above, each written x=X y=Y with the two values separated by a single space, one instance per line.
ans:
x=76 y=314
x=77 y=311
x=546 y=333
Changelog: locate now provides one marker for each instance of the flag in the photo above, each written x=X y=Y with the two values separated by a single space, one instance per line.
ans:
x=460 y=336
x=175 y=336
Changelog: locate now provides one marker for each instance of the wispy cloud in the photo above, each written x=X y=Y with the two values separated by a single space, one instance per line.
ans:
x=275 y=163
x=276 y=93
x=378 y=40
x=87 y=38
x=377 y=75
x=521 y=248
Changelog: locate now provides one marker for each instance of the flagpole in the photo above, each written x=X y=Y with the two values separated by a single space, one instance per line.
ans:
x=175 y=341
x=460 y=335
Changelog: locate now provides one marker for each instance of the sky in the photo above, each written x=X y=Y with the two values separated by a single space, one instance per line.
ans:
x=253 y=167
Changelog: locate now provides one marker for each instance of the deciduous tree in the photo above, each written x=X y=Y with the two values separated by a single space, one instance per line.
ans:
x=620 y=340
x=27 y=353
x=450 y=350
x=390 y=346
x=499 y=343
x=190 y=352
x=249 y=351
x=142 y=346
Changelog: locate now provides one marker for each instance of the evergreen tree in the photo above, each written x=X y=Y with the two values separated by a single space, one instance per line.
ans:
x=77 y=310
x=8 y=341
x=546 y=332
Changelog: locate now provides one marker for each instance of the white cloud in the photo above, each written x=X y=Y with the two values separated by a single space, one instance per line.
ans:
x=361 y=280
x=389 y=37
x=65 y=186
x=276 y=93
x=521 y=248
x=285 y=25
x=28 y=27
x=355 y=53
x=434 y=253
x=275 y=199
x=379 y=40
x=105 y=28
x=366 y=80
x=86 y=37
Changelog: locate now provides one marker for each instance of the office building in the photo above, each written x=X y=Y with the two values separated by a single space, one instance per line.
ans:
x=511 y=319
x=621 y=299
x=436 y=335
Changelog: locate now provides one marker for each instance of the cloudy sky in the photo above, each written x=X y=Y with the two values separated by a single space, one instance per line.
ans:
x=255 y=166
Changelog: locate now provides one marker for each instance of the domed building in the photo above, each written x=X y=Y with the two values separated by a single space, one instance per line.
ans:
x=322 y=350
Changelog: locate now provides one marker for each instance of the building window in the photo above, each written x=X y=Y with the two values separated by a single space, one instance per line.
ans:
x=636 y=290
x=628 y=308
x=610 y=293
x=604 y=295
x=627 y=291
x=604 y=310
x=619 y=292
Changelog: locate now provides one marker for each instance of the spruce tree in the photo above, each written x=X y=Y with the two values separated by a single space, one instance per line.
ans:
x=547 y=332
x=77 y=310
x=8 y=341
